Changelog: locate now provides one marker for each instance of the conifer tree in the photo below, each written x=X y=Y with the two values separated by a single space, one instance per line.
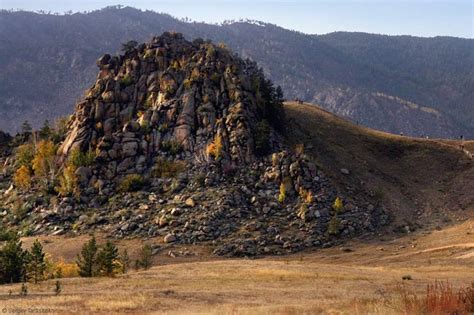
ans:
x=26 y=131
x=145 y=256
x=87 y=260
x=13 y=261
x=108 y=258
x=37 y=264
x=45 y=131
x=125 y=260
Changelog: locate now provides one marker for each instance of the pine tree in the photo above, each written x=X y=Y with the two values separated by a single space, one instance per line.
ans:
x=45 y=131
x=145 y=256
x=13 y=260
x=26 y=130
x=107 y=259
x=125 y=260
x=37 y=264
x=87 y=260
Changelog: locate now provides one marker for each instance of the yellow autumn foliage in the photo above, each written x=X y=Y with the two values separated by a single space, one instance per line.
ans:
x=22 y=177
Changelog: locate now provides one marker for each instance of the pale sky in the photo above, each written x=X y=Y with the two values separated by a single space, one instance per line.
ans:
x=395 y=17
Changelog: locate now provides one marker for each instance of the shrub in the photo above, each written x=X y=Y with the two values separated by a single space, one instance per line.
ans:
x=168 y=168
x=24 y=155
x=57 y=288
x=6 y=235
x=131 y=182
x=22 y=178
x=285 y=186
x=282 y=195
x=78 y=158
x=163 y=127
x=149 y=101
x=44 y=161
x=306 y=196
x=215 y=148
x=302 y=211
x=24 y=289
x=68 y=182
x=299 y=149
x=334 y=225
x=65 y=270
x=125 y=261
x=144 y=257
x=338 y=206
x=172 y=146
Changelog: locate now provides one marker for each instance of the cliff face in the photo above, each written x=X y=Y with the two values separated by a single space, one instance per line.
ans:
x=171 y=96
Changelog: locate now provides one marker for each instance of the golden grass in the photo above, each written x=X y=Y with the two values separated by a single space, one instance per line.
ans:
x=328 y=281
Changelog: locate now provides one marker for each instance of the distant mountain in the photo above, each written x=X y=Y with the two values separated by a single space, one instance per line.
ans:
x=418 y=86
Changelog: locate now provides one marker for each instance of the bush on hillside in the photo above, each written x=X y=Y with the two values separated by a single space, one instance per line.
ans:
x=131 y=182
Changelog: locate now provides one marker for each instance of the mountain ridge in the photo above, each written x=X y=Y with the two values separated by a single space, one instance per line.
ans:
x=324 y=69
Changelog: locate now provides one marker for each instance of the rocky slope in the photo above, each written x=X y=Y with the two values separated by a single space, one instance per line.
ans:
x=343 y=72
x=187 y=144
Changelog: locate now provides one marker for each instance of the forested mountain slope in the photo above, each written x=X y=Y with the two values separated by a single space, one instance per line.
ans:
x=418 y=86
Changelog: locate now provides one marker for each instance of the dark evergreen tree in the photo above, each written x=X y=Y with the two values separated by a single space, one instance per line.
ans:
x=26 y=131
x=45 y=131
x=36 y=266
x=87 y=260
x=13 y=260
x=108 y=258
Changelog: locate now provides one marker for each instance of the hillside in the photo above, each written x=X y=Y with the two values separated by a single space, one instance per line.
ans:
x=421 y=181
x=418 y=86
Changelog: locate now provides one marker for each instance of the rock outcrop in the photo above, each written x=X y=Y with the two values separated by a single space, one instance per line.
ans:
x=187 y=145
x=171 y=97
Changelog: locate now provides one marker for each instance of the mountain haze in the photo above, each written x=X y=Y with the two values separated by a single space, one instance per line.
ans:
x=418 y=86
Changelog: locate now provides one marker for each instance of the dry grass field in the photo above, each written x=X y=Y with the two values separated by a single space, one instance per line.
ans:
x=361 y=277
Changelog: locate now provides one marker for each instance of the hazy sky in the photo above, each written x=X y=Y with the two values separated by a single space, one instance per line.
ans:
x=413 y=17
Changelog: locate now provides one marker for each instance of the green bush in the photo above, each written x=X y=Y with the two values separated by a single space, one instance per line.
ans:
x=24 y=155
x=131 y=182
x=172 y=146
x=79 y=158
x=167 y=168
x=334 y=225
x=6 y=235
x=144 y=257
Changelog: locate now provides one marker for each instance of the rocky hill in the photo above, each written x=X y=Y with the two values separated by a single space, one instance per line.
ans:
x=184 y=141
x=418 y=86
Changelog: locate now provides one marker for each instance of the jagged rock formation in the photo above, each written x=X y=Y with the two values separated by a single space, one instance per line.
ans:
x=170 y=95
x=201 y=129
